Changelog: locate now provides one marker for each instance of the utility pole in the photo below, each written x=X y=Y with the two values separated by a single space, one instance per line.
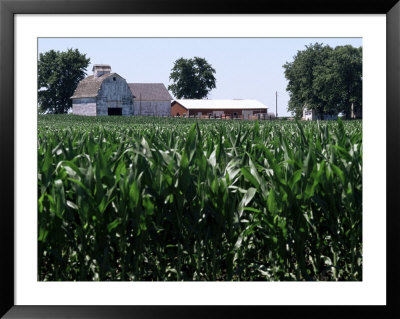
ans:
x=276 y=104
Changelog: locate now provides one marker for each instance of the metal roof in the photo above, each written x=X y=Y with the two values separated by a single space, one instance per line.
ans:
x=150 y=91
x=221 y=104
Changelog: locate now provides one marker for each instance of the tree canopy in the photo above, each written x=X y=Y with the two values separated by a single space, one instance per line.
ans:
x=58 y=76
x=327 y=80
x=192 y=78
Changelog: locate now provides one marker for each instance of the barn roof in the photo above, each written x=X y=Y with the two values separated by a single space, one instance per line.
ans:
x=221 y=104
x=90 y=86
x=101 y=66
x=150 y=91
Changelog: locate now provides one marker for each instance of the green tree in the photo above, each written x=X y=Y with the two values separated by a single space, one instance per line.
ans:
x=340 y=80
x=327 y=80
x=58 y=76
x=301 y=75
x=192 y=78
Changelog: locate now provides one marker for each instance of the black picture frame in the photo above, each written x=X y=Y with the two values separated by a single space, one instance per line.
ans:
x=9 y=8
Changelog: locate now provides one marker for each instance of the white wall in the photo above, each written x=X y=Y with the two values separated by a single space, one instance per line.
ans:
x=114 y=94
x=152 y=108
x=84 y=106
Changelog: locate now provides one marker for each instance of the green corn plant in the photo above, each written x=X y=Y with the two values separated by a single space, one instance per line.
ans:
x=142 y=198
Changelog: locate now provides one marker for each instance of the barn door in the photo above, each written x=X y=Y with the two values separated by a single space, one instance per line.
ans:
x=114 y=111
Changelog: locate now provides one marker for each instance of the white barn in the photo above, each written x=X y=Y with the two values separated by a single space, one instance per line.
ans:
x=103 y=93
x=107 y=93
x=150 y=99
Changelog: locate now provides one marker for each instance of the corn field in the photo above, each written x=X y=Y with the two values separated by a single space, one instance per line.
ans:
x=156 y=199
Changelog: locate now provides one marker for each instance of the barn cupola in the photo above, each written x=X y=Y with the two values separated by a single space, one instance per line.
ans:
x=100 y=69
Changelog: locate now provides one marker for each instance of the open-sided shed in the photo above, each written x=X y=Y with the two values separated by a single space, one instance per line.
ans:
x=244 y=109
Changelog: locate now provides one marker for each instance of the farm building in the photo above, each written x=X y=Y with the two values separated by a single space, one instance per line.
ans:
x=103 y=93
x=107 y=93
x=151 y=99
x=311 y=115
x=244 y=109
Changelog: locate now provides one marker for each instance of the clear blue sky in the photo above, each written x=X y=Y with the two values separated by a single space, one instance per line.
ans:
x=246 y=68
